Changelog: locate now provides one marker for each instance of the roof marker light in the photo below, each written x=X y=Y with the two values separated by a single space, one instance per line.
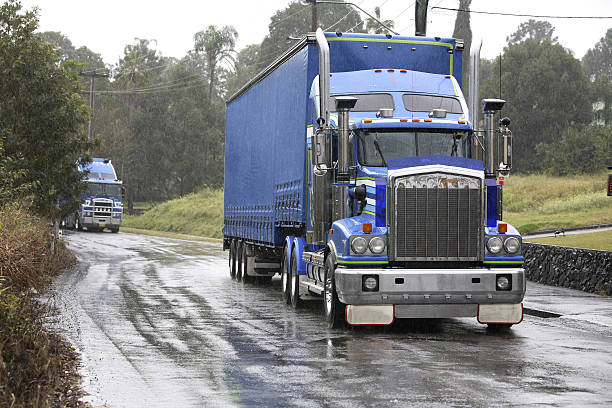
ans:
x=378 y=70
x=403 y=70
x=447 y=76
x=416 y=120
x=367 y=121
x=461 y=122
x=390 y=70
x=426 y=120
x=403 y=120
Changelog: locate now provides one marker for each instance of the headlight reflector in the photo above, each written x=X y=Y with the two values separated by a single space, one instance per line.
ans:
x=494 y=245
x=503 y=282
x=359 y=245
x=377 y=245
x=512 y=245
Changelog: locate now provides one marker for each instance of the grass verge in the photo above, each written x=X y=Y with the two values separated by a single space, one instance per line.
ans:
x=195 y=214
x=537 y=202
x=37 y=368
x=593 y=240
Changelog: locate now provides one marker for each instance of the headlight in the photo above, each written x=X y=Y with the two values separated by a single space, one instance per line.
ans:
x=377 y=245
x=512 y=245
x=494 y=245
x=87 y=203
x=359 y=245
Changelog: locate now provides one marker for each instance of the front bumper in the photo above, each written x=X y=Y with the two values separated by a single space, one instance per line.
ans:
x=430 y=286
x=101 y=222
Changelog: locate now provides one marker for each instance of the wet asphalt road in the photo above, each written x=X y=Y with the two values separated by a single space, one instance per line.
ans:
x=159 y=323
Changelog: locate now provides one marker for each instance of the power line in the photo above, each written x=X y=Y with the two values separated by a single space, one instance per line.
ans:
x=520 y=15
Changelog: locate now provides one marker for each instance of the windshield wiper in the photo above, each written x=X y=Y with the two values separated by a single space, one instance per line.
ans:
x=377 y=146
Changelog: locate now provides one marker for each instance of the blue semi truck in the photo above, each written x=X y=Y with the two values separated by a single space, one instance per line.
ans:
x=102 y=203
x=356 y=169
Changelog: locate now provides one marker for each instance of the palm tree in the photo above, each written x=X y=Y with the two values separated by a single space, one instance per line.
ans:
x=218 y=45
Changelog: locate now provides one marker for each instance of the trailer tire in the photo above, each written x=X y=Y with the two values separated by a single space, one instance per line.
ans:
x=232 y=259
x=245 y=261
x=239 y=261
x=285 y=277
x=334 y=309
x=294 y=283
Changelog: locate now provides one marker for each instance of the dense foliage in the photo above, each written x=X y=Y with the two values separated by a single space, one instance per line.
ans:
x=42 y=116
x=552 y=103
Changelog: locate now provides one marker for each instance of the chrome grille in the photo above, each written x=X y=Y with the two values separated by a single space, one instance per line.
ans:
x=437 y=217
x=102 y=207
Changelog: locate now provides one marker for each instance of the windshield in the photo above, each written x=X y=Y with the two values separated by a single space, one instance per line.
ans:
x=103 y=189
x=396 y=144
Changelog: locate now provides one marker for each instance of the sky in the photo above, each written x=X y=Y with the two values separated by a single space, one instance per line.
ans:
x=106 y=27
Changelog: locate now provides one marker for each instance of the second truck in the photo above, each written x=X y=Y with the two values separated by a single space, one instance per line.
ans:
x=355 y=168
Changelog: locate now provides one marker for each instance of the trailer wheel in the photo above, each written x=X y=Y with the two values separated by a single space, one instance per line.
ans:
x=239 y=261
x=294 y=284
x=334 y=309
x=285 y=277
x=232 y=259
x=245 y=260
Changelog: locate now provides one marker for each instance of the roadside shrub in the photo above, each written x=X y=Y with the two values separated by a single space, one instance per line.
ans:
x=37 y=368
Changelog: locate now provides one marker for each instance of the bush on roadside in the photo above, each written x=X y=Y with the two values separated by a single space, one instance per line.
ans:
x=37 y=368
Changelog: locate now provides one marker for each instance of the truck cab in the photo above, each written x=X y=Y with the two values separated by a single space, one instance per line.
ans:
x=415 y=239
x=102 y=203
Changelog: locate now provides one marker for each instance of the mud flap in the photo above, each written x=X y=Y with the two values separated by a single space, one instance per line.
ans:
x=500 y=313
x=370 y=315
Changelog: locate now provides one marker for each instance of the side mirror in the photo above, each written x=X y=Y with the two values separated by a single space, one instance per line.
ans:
x=122 y=191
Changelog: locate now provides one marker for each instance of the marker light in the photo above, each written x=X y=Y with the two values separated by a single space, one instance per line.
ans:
x=502 y=227
x=461 y=122
x=447 y=76
x=416 y=120
x=403 y=120
x=426 y=120
x=366 y=227
x=367 y=121
x=378 y=70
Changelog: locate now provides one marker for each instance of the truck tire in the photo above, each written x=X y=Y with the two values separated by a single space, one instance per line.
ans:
x=294 y=283
x=114 y=230
x=232 y=259
x=334 y=309
x=245 y=261
x=285 y=277
x=239 y=260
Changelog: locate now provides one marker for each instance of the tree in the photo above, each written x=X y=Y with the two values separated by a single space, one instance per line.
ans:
x=533 y=29
x=579 y=150
x=546 y=91
x=290 y=23
x=464 y=31
x=42 y=116
x=218 y=45
x=373 y=27
x=598 y=60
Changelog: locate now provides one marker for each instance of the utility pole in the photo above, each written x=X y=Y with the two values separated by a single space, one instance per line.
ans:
x=314 y=24
x=92 y=76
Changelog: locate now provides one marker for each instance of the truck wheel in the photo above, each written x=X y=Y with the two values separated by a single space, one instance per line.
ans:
x=285 y=277
x=334 y=309
x=232 y=259
x=245 y=260
x=114 y=230
x=294 y=284
x=239 y=261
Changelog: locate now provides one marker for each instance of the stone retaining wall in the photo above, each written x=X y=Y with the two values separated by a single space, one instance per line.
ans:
x=583 y=269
